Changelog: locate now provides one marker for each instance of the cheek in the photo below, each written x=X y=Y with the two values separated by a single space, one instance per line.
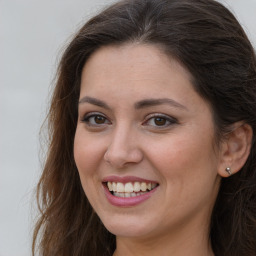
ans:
x=88 y=158
x=188 y=174
x=185 y=158
x=87 y=153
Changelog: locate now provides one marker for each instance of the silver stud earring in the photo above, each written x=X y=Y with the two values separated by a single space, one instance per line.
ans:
x=228 y=170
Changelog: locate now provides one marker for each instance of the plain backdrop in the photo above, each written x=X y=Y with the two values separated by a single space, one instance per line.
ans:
x=33 y=34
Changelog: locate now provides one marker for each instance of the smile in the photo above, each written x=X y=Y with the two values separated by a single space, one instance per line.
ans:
x=130 y=189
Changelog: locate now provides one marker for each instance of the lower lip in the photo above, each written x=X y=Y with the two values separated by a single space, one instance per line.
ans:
x=127 y=201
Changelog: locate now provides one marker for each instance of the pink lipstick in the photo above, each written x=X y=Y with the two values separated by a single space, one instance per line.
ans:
x=129 y=190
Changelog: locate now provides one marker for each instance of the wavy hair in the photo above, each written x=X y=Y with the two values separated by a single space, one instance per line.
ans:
x=208 y=41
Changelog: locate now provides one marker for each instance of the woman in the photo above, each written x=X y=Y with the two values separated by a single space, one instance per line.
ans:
x=152 y=136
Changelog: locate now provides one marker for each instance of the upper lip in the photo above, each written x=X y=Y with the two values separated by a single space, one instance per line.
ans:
x=125 y=179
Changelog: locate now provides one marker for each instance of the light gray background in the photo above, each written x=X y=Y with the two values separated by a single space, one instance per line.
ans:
x=33 y=34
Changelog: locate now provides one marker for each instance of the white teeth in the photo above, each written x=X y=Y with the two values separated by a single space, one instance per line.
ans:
x=130 y=188
x=120 y=187
x=119 y=194
x=128 y=194
x=110 y=186
x=136 y=186
x=114 y=186
x=143 y=186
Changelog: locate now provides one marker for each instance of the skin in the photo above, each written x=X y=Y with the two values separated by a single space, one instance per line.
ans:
x=124 y=140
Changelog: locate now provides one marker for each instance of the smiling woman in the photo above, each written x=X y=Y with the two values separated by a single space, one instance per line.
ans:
x=148 y=135
x=152 y=128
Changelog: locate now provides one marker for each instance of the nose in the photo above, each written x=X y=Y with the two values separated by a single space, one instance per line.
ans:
x=123 y=149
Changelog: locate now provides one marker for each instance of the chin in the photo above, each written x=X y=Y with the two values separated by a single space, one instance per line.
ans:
x=127 y=227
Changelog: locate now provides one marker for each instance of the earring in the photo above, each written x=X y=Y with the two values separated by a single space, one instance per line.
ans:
x=228 y=170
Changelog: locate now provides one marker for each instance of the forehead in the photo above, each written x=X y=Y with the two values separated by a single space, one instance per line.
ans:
x=132 y=66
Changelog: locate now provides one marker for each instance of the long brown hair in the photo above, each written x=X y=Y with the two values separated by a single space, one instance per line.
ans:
x=207 y=40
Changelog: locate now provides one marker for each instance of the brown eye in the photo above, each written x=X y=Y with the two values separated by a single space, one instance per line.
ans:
x=99 y=119
x=95 y=120
x=159 y=121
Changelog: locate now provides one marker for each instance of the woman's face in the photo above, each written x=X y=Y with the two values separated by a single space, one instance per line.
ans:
x=143 y=131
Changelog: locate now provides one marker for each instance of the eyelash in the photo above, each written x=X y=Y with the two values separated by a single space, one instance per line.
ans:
x=166 y=119
x=153 y=117
x=87 y=117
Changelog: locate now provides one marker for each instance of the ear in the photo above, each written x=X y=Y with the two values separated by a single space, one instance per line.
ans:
x=235 y=149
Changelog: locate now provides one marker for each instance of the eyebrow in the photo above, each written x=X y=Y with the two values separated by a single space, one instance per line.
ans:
x=154 y=102
x=94 y=101
x=138 y=105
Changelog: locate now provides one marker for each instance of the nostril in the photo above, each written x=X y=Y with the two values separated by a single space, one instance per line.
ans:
x=120 y=158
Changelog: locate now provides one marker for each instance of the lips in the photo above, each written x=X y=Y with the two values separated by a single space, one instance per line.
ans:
x=130 y=188
x=128 y=191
